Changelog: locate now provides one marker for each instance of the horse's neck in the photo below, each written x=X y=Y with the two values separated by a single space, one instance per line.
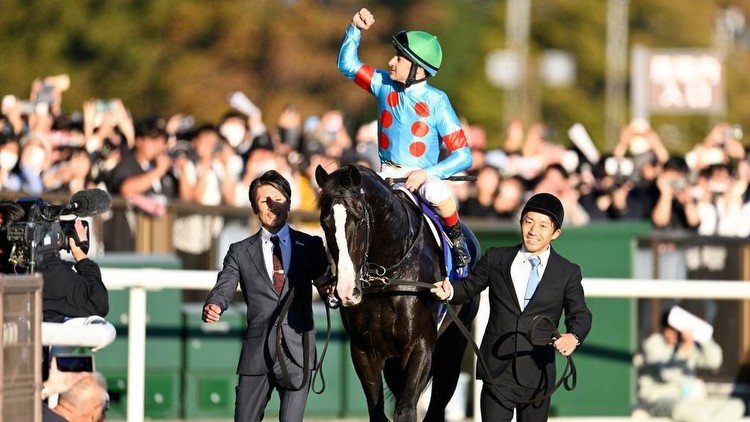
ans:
x=395 y=222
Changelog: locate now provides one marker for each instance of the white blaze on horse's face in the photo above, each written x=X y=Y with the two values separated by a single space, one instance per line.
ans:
x=345 y=267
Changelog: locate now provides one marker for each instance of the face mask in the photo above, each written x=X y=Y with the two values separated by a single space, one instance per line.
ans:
x=718 y=187
x=8 y=160
x=235 y=134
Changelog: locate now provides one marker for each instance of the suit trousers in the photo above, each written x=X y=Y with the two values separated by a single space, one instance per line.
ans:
x=501 y=408
x=254 y=391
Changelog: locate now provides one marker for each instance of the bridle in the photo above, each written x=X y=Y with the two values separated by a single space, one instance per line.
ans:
x=372 y=274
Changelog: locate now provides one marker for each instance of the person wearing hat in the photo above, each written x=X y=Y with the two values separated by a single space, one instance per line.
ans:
x=273 y=265
x=414 y=121
x=525 y=281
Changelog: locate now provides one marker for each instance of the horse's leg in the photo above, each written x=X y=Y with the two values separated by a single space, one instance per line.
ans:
x=447 y=358
x=416 y=373
x=368 y=370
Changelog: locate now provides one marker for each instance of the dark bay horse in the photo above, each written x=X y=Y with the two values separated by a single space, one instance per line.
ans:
x=379 y=244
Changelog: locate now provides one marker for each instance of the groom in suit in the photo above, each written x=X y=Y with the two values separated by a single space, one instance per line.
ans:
x=267 y=266
x=525 y=281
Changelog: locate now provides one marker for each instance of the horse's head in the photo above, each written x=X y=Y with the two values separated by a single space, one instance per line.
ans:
x=346 y=219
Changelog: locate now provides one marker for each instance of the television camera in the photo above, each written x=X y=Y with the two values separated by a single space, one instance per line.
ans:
x=47 y=228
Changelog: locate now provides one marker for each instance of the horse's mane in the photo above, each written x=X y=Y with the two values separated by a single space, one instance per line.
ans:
x=340 y=184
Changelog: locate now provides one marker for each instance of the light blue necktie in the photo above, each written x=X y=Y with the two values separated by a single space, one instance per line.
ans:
x=533 y=279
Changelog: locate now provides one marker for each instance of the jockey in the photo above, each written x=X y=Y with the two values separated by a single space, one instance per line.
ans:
x=414 y=121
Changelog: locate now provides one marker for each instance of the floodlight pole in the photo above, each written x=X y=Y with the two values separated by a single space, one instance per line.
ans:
x=517 y=28
x=616 y=71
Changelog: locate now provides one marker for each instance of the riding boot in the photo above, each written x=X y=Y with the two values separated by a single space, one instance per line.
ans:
x=459 y=248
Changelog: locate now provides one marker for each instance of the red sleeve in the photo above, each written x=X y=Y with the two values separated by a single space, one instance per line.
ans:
x=363 y=78
x=455 y=140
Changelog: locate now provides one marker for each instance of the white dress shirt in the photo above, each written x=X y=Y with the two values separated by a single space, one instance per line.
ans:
x=286 y=249
x=520 y=270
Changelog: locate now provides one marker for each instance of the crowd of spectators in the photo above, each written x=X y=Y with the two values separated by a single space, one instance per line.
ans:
x=154 y=160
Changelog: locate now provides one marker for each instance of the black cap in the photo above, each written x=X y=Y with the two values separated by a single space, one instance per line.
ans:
x=547 y=204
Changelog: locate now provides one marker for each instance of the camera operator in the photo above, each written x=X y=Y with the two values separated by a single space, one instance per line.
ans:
x=70 y=292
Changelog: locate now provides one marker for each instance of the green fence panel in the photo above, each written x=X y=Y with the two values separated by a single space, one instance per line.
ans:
x=211 y=355
x=163 y=317
x=162 y=396
x=163 y=331
x=214 y=346
x=209 y=394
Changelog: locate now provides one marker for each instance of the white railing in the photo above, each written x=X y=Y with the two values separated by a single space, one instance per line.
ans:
x=138 y=281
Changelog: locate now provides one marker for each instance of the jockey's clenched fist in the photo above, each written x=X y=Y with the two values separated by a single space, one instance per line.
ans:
x=363 y=19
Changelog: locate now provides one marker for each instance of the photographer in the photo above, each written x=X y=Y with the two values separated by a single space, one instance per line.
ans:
x=668 y=382
x=71 y=293
x=675 y=207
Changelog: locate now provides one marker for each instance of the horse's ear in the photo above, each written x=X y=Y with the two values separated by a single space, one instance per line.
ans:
x=353 y=175
x=321 y=176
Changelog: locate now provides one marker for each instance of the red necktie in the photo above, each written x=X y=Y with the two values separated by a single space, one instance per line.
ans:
x=278 y=266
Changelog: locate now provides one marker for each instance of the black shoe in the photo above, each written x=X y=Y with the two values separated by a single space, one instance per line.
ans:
x=459 y=248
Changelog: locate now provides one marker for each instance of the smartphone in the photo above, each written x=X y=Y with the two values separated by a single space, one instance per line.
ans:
x=103 y=106
x=75 y=363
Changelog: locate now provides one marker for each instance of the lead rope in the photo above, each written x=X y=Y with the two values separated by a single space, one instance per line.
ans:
x=319 y=369
x=565 y=378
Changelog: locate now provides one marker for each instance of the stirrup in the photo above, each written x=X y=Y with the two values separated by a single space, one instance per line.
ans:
x=460 y=251
x=461 y=257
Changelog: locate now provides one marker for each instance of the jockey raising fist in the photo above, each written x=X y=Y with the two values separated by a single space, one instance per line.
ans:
x=363 y=19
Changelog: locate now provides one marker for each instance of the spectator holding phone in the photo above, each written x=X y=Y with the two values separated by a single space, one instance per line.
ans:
x=82 y=396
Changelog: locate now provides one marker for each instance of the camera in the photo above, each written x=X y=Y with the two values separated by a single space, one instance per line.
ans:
x=621 y=169
x=677 y=184
x=182 y=148
x=42 y=232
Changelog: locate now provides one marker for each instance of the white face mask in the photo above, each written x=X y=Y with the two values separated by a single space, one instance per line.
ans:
x=8 y=160
x=235 y=134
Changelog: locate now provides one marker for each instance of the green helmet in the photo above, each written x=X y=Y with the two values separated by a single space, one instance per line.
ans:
x=422 y=48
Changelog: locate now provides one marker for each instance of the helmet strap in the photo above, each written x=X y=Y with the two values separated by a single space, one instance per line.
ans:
x=412 y=78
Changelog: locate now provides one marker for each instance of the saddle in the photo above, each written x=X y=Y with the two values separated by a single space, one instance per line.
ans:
x=436 y=228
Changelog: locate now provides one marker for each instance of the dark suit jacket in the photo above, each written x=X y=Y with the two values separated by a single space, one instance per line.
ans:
x=244 y=265
x=505 y=346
